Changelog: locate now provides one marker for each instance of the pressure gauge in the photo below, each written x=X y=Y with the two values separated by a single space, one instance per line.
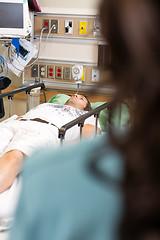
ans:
x=77 y=72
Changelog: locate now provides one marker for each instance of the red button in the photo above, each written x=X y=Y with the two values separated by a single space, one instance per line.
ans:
x=59 y=75
x=51 y=74
x=51 y=69
x=46 y=23
x=58 y=70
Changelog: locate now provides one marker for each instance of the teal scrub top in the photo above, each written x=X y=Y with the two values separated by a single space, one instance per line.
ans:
x=63 y=199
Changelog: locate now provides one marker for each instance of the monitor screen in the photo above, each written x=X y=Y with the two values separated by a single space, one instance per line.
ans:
x=11 y=15
x=14 y=18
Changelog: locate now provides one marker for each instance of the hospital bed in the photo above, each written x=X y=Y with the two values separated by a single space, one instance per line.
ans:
x=101 y=111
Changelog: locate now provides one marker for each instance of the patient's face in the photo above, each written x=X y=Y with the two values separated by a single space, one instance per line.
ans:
x=77 y=101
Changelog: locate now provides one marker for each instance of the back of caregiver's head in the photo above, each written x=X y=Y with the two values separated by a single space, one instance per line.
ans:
x=132 y=29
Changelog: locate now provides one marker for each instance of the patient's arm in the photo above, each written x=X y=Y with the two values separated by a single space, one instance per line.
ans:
x=10 y=166
x=89 y=130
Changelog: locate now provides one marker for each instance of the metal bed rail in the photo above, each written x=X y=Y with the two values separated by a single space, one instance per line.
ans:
x=80 y=120
x=26 y=89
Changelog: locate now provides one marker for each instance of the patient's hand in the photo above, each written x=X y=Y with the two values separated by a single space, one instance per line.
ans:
x=89 y=130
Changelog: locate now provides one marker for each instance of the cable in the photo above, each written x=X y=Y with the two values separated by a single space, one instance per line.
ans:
x=3 y=65
x=38 y=48
x=49 y=32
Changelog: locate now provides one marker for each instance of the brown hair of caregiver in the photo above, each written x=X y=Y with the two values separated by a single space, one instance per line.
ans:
x=131 y=27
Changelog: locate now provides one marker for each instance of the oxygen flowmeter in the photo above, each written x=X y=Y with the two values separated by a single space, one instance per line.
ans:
x=77 y=72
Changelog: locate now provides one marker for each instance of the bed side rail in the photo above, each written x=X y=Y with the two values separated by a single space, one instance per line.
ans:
x=26 y=89
x=80 y=120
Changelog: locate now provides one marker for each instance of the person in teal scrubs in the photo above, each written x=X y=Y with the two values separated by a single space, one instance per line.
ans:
x=107 y=188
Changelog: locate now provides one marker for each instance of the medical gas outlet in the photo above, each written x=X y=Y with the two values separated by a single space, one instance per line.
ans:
x=68 y=27
x=83 y=28
x=46 y=25
x=54 y=26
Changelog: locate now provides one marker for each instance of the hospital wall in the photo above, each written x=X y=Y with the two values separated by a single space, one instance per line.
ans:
x=62 y=50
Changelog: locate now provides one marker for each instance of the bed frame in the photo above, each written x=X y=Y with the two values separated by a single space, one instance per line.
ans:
x=78 y=121
x=27 y=90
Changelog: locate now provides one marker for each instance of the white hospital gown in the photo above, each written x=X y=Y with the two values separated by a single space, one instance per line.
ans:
x=27 y=136
x=60 y=115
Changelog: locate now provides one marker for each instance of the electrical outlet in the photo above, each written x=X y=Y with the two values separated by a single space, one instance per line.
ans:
x=42 y=71
x=68 y=27
x=58 y=72
x=54 y=26
x=34 y=71
x=50 y=72
x=46 y=25
x=83 y=28
x=67 y=73
x=95 y=75
x=84 y=75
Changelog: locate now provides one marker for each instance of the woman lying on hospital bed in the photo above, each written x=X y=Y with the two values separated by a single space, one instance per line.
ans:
x=37 y=128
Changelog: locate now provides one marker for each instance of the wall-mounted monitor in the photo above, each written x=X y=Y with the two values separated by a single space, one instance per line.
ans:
x=14 y=18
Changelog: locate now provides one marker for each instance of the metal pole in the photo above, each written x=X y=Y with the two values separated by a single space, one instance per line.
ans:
x=28 y=105
x=96 y=123
x=61 y=135
x=44 y=94
x=10 y=105
x=61 y=140
x=81 y=126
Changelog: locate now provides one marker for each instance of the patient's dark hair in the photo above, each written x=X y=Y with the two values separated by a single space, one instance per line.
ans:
x=88 y=105
x=132 y=29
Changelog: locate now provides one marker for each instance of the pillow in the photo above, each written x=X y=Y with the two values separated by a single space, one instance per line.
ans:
x=59 y=99
x=62 y=98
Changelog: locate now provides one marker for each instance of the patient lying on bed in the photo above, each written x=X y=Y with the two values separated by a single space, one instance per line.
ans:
x=39 y=127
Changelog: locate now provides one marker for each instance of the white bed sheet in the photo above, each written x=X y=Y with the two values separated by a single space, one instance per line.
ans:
x=8 y=203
